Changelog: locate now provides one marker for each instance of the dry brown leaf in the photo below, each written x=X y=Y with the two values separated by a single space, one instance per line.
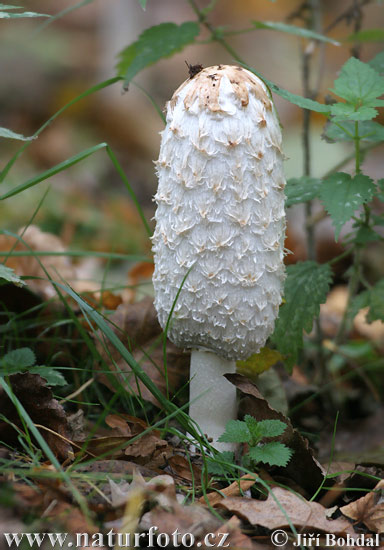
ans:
x=302 y=513
x=186 y=519
x=181 y=469
x=368 y=509
x=236 y=539
x=149 y=449
x=44 y=410
x=139 y=330
x=233 y=490
x=303 y=468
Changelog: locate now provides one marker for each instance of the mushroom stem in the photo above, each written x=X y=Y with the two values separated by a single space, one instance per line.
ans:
x=218 y=405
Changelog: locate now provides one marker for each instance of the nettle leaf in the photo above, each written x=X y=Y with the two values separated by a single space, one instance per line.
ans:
x=368 y=131
x=366 y=235
x=272 y=428
x=292 y=29
x=359 y=84
x=236 y=431
x=21 y=358
x=346 y=111
x=5 y=133
x=7 y=275
x=254 y=430
x=377 y=63
x=306 y=287
x=376 y=302
x=343 y=194
x=153 y=44
x=215 y=468
x=51 y=375
x=367 y=35
x=300 y=190
x=273 y=453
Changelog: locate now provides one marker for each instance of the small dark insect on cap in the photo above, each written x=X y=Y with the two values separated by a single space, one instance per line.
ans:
x=193 y=69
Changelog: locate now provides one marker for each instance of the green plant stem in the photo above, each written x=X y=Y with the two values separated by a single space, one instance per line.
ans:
x=354 y=281
x=217 y=37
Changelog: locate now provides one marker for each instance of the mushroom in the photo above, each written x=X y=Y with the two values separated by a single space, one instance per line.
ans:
x=219 y=238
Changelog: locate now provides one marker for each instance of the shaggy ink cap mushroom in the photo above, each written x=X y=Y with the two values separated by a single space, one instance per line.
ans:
x=220 y=214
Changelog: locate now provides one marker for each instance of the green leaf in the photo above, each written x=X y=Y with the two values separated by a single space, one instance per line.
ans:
x=292 y=29
x=377 y=63
x=368 y=35
x=273 y=453
x=51 y=375
x=236 y=431
x=7 y=275
x=298 y=100
x=366 y=235
x=153 y=44
x=368 y=131
x=342 y=195
x=376 y=302
x=214 y=466
x=272 y=428
x=21 y=358
x=5 y=133
x=346 y=111
x=143 y=4
x=254 y=430
x=306 y=288
x=300 y=190
x=359 y=84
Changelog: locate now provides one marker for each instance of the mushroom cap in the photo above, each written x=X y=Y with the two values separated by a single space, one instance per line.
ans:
x=220 y=217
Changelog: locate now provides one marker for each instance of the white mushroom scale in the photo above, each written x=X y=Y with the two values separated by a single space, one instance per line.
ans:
x=220 y=225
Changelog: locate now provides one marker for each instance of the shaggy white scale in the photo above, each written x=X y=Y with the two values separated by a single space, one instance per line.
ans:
x=220 y=214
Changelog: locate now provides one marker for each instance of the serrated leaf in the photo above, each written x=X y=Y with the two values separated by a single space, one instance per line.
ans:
x=21 y=358
x=342 y=195
x=346 y=111
x=293 y=29
x=236 y=431
x=272 y=428
x=273 y=453
x=258 y=362
x=367 y=35
x=7 y=275
x=306 y=287
x=366 y=235
x=300 y=101
x=359 y=84
x=300 y=190
x=153 y=44
x=377 y=63
x=215 y=468
x=51 y=375
x=376 y=302
x=5 y=133
x=254 y=430
x=368 y=131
